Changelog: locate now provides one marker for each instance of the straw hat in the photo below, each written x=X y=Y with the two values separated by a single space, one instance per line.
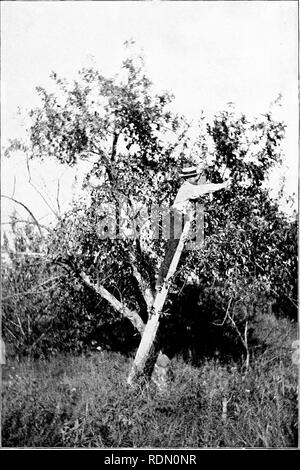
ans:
x=191 y=171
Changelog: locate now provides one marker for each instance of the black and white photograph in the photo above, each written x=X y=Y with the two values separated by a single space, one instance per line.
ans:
x=149 y=227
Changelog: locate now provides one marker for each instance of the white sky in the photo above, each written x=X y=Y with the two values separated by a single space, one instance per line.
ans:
x=206 y=53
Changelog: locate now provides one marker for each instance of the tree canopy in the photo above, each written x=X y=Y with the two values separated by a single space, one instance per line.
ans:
x=136 y=145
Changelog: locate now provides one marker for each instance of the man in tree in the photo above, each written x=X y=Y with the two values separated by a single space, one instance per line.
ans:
x=189 y=191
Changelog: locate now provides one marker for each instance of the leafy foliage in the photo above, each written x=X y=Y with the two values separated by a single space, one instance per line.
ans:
x=136 y=145
x=44 y=309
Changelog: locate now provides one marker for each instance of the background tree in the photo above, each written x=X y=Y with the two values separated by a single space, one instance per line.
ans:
x=250 y=254
x=119 y=125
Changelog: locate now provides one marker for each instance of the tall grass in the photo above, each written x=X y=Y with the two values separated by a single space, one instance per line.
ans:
x=84 y=402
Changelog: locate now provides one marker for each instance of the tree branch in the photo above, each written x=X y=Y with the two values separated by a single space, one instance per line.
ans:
x=57 y=195
x=26 y=208
x=14 y=187
x=244 y=339
x=132 y=315
x=18 y=221
x=143 y=284
x=226 y=316
x=35 y=291
x=114 y=146
x=39 y=192
x=34 y=254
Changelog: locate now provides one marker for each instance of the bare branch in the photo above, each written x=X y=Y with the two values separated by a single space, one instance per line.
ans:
x=45 y=200
x=244 y=339
x=26 y=208
x=39 y=192
x=18 y=325
x=31 y=253
x=24 y=221
x=14 y=187
x=144 y=286
x=35 y=289
x=132 y=315
x=114 y=146
x=237 y=330
x=46 y=189
x=226 y=316
x=6 y=327
x=57 y=195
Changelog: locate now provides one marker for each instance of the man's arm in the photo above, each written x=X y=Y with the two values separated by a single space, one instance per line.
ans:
x=202 y=189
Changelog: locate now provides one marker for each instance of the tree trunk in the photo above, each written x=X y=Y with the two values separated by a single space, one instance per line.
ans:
x=147 y=352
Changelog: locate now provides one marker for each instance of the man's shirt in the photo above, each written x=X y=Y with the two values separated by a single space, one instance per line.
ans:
x=189 y=192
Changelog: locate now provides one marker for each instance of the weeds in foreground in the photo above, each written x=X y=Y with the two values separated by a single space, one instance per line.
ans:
x=84 y=402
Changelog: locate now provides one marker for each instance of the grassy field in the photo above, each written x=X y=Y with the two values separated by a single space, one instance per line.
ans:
x=84 y=401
